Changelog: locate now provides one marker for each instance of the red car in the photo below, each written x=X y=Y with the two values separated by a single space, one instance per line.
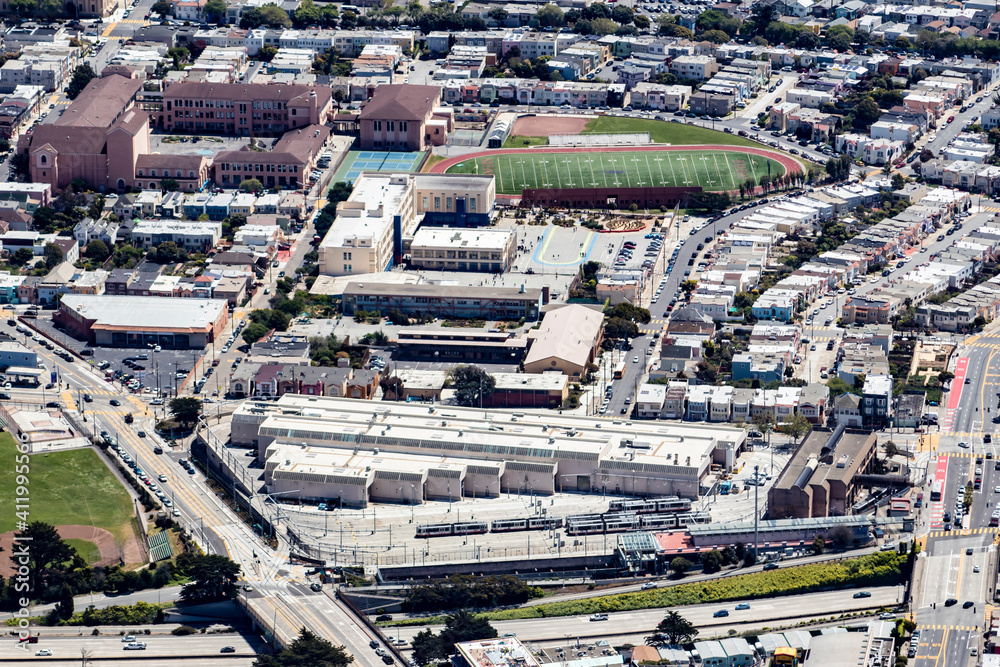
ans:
x=951 y=118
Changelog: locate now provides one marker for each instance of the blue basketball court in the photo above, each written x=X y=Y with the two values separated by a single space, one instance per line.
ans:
x=359 y=161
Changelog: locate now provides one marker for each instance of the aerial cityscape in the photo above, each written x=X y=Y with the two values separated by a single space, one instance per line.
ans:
x=586 y=333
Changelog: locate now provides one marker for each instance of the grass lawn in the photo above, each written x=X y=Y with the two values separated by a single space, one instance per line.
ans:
x=660 y=132
x=522 y=142
x=714 y=171
x=67 y=488
x=87 y=550
x=665 y=132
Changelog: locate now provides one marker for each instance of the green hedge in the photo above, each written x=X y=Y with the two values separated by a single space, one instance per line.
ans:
x=878 y=569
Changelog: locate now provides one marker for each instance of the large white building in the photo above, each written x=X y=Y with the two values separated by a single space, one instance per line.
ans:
x=358 y=451
x=383 y=211
x=444 y=248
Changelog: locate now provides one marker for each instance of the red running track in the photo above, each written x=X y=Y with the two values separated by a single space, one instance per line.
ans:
x=789 y=163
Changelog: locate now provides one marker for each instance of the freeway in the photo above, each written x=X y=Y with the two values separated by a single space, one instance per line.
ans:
x=197 y=646
x=633 y=626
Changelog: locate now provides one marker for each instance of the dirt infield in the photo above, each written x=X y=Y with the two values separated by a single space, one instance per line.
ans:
x=104 y=540
x=543 y=126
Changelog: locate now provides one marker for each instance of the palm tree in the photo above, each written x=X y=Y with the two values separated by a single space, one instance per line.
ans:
x=887 y=168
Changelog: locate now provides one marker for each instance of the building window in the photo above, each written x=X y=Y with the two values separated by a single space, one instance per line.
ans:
x=44 y=159
x=437 y=203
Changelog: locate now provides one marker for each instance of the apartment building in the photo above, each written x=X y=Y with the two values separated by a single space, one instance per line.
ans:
x=244 y=109
x=694 y=67
x=192 y=236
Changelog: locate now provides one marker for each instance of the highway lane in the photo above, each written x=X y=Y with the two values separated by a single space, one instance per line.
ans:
x=111 y=646
x=629 y=625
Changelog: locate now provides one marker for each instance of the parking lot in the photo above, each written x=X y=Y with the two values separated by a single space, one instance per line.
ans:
x=158 y=370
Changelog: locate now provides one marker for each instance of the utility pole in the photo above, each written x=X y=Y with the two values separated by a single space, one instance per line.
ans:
x=756 y=513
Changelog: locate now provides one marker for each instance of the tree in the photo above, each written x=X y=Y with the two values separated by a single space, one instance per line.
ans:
x=179 y=55
x=764 y=421
x=819 y=544
x=64 y=608
x=427 y=648
x=185 y=409
x=550 y=16
x=673 y=629
x=498 y=14
x=670 y=28
x=214 y=10
x=306 y=650
x=53 y=255
x=641 y=22
x=841 y=536
x=629 y=312
x=797 y=426
x=890 y=449
x=689 y=286
x=251 y=185
x=98 y=251
x=472 y=384
x=715 y=36
x=47 y=553
x=711 y=562
x=163 y=8
x=622 y=14
x=307 y=13
x=254 y=332
x=23 y=6
x=618 y=328
x=213 y=576
x=391 y=384
x=464 y=626
x=167 y=253
x=81 y=77
x=866 y=112
x=680 y=565
x=273 y=16
x=22 y=256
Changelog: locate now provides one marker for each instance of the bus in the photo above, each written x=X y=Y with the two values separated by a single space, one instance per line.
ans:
x=619 y=370
x=936 y=490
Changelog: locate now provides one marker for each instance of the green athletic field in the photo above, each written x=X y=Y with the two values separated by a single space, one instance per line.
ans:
x=713 y=170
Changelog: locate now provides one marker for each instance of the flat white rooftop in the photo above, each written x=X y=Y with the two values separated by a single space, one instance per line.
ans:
x=146 y=312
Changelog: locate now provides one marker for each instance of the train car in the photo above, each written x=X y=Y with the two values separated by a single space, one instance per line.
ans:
x=434 y=530
x=637 y=506
x=591 y=527
x=470 y=528
x=573 y=518
x=658 y=521
x=620 y=523
x=673 y=505
x=546 y=523
x=507 y=525
x=693 y=518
